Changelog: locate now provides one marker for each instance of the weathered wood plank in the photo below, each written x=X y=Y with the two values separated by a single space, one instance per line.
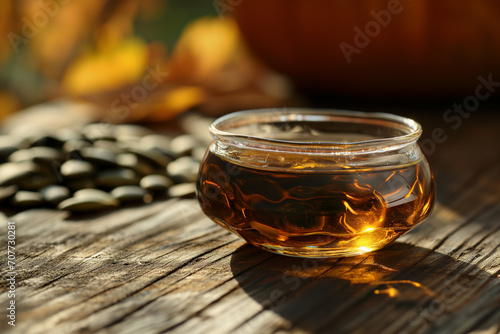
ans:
x=164 y=267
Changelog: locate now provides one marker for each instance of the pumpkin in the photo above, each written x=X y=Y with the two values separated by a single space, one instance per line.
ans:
x=376 y=47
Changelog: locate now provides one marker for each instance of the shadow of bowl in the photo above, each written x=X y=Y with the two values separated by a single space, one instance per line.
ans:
x=399 y=289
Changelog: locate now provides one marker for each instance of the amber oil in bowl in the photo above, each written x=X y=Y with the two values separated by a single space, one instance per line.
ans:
x=315 y=183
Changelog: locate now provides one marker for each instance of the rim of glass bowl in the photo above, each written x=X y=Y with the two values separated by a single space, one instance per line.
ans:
x=220 y=130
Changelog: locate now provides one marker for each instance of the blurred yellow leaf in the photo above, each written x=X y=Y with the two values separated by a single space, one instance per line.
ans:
x=177 y=101
x=106 y=69
x=166 y=103
x=204 y=48
x=209 y=69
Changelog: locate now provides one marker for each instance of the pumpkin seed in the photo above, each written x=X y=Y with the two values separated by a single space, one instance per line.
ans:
x=55 y=194
x=12 y=172
x=128 y=194
x=182 y=190
x=156 y=183
x=113 y=178
x=183 y=145
x=99 y=156
x=76 y=169
x=87 y=203
x=184 y=169
x=25 y=199
x=7 y=192
x=152 y=155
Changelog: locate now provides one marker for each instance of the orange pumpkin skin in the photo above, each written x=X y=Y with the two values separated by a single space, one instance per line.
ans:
x=430 y=48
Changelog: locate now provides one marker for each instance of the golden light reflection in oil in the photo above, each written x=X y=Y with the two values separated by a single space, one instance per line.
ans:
x=348 y=207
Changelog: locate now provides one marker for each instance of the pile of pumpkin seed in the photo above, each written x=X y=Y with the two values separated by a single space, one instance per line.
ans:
x=96 y=166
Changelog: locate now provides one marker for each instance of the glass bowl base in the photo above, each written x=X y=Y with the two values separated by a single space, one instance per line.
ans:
x=317 y=252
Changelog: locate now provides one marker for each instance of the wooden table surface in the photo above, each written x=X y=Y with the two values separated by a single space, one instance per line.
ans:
x=165 y=267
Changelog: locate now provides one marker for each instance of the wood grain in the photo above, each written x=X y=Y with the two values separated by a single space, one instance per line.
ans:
x=165 y=267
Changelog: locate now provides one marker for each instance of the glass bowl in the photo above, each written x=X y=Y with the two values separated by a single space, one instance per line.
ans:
x=315 y=183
